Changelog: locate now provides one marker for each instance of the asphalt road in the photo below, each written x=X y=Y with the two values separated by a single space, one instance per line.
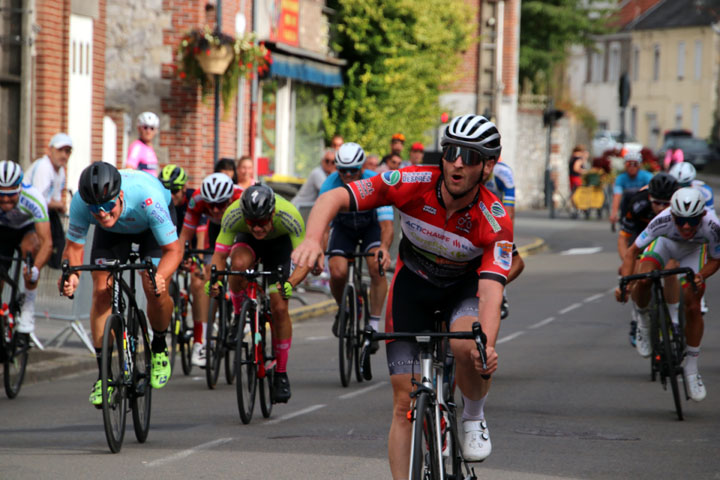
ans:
x=571 y=399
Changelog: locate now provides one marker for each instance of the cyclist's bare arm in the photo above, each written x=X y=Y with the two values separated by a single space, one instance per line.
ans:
x=489 y=300
x=707 y=270
x=629 y=259
x=186 y=235
x=43 y=232
x=169 y=261
x=622 y=244
x=74 y=254
x=299 y=275
x=386 y=238
x=328 y=205
x=511 y=212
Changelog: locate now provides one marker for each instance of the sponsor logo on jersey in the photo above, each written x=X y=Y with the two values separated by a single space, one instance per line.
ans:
x=488 y=216
x=146 y=203
x=391 y=177
x=430 y=210
x=503 y=254
x=416 y=177
x=365 y=188
x=191 y=203
x=715 y=229
x=497 y=210
x=464 y=223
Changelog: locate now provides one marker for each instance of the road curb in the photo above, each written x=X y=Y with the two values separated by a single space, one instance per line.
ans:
x=314 y=310
x=537 y=245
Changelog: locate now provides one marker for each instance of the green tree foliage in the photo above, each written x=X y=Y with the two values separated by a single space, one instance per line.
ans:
x=400 y=53
x=548 y=28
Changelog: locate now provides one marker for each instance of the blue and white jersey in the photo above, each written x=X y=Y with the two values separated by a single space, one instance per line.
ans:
x=31 y=208
x=502 y=184
x=357 y=219
x=707 y=193
x=145 y=206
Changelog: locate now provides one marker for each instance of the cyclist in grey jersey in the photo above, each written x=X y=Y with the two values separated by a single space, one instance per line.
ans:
x=24 y=223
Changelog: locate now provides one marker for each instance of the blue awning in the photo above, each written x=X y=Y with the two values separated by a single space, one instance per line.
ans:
x=305 y=70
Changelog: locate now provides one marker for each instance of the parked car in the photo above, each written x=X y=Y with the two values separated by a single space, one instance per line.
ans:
x=695 y=150
x=605 y=140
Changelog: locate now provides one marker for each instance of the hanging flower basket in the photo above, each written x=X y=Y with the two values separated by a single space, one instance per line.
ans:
x=202 y=54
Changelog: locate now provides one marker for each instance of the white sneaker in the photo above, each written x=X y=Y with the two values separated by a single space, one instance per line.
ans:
x=26 y=322
x=476 y=444
x=642 y=341
x=703 y=305
x=198 y=355
x=695 y=387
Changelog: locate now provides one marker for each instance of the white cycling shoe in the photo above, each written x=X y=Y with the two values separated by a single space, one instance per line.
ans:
x=642 y=341
x=26 y=322
x=198 y=355
x=476 y=442
x=695 y=387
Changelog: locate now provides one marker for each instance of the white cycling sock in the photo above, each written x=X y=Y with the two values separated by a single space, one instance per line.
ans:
x=643 y=317
x=473 y=409
x=691 y=362
x=374 y=323
x=30 y=297
x=674 y=309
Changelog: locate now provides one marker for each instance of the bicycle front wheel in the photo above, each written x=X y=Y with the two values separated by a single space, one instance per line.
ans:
x=671 y=365
x=363 y=309
x=175 y=323
x=232 y=322
x=112 y=376
x=245 y=364
x=185 y=339
x=15 y=351
x=141 y=396
x=346 y=328
x=266 y=365
x=215 y=340
x=425 y=457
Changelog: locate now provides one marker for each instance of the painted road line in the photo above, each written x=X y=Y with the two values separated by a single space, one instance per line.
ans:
x=309 y=409
x=570 y=308
x=187 y=453
x=581 y=251
x=594 y=297
x=542 y=323
x=512 y=336
x=362 y=391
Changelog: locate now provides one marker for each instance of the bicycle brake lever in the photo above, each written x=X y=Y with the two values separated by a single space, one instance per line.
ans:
x=480 y=340
x=365 y=366
x=381 y=270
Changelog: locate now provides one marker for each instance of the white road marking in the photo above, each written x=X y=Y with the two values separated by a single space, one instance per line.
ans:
x=594 y=297
x=581 y=251
x=542 y=323
x=512 y=336
x=570 y=308
x=309 y=409
x=315 y=339
x=362 y=391
x=187 y=453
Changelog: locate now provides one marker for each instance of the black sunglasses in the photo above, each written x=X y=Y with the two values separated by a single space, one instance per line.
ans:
x=348 y=171
x=469 y=157
x=692 y=221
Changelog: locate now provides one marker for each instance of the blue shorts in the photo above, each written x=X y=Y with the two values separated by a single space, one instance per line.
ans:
x=343 y=239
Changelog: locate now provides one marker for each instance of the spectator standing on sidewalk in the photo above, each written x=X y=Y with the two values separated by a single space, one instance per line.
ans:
x=141 y=155
x=416 y=155
x=47 y=174
x=336 y=141
x=391 y=161
x=310 y=190
x=372 y=162
x=577 y=166
x=244 y=172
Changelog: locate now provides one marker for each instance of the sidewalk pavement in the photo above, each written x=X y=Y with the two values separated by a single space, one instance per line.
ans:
x=73 y=356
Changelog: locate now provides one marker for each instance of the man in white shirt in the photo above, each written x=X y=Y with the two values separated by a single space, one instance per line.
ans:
x=47 y=174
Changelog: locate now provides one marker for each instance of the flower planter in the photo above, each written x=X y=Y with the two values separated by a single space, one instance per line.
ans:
x=215 y=60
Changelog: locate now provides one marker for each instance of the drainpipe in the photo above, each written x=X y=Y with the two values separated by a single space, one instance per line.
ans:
x=254 y=100
x=26 y=84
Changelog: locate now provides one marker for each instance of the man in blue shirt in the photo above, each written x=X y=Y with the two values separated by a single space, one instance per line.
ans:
x=373 y=227
x=127 y=208
x=628 y=182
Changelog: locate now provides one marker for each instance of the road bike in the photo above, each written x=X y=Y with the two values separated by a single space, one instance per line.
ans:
x=181 y=327
x=435 y=450
x=14 y=345
x=666 y=340
x=126 y=354
x=254 y=354
x=353 y=314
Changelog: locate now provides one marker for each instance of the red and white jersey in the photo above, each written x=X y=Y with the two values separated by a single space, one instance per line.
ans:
x=197 y=207
x=476 y=238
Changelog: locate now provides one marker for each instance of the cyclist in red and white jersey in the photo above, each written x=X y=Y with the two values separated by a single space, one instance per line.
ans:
x=211 y=200
x=455 y=256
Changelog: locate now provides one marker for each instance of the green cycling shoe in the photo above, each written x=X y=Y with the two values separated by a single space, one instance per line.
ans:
x=96 y=394
x=160 y=374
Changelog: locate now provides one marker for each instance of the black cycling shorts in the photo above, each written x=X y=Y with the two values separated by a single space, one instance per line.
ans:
x=343 y=239
x=11 y=240
x=117 y=246
x=272 y=253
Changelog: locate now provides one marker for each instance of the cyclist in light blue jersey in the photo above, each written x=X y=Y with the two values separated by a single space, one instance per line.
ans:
x=685 y=173
x=502 y=184
x=631 y=180
x=127 y=208
x=374 y=227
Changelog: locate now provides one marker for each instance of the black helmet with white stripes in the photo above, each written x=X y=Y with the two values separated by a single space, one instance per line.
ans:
x=349 y=155
x=11 y=174
x=217 y=188
x=257 y=202
x=475 y=132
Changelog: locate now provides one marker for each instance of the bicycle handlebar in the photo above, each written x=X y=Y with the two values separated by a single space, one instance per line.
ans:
x=109 y=266
x=250 y=274
x=369 y=335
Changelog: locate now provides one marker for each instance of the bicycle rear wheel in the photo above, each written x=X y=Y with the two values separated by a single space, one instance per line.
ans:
x=363 y=309
x=266 y=365
x=215 y=339
x=141 y=394
x=185 y=338
x=245 y=364
x=230 y=344
x=346 y=329
x=112 y=376
x=15 y=347
x=175 y=323
x=671 y=365
x=424 y=454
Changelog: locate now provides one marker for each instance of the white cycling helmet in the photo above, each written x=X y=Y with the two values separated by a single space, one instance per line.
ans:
x=475 y=132
x=11 y=174
x=349 y=155
x=684 y=172
x=687 y=202
x=148 y=119
x=633 y=156
x=217 y=188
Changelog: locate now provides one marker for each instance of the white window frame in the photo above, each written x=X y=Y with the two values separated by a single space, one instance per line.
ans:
x=681 y=60
x=698 y=59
